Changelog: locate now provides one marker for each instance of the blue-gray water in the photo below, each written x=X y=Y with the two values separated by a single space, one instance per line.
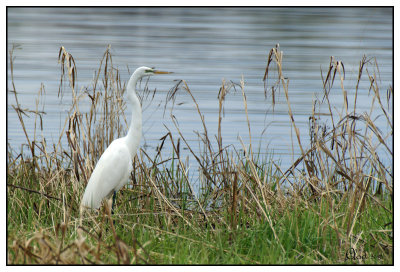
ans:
x=203 y=46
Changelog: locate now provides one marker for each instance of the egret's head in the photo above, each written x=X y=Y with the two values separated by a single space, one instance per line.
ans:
x=146 y=71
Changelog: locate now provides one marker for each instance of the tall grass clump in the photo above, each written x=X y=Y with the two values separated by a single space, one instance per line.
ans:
x=334 y=205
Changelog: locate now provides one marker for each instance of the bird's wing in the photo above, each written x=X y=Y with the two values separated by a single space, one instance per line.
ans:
x=111 y=173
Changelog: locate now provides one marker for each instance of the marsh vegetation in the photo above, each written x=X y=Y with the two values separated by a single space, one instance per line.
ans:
x=334 y=205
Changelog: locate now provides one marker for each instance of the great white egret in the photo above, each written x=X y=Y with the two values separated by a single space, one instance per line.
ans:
x=115 y=165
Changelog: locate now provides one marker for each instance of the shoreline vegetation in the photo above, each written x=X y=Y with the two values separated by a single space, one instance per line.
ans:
x=334 y=205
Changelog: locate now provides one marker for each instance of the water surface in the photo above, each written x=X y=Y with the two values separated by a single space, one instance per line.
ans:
x=203 y=47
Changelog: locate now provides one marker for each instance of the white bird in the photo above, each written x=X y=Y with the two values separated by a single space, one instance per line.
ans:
x=115 y=165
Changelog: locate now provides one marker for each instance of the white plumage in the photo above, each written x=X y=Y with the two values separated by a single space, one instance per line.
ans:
x=115 y=164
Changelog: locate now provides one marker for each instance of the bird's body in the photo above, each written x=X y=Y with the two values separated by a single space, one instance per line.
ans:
x=108 y=177
x=115 y=164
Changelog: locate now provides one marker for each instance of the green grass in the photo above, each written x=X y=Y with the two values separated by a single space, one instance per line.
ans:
x=306 y=233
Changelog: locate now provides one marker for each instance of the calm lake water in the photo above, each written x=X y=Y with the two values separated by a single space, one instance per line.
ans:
x=203 y=46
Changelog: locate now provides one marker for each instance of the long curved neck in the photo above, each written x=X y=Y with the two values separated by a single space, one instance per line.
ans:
x=135 y=129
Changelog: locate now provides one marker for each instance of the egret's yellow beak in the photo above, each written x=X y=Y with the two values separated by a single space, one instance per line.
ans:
x=161 y=72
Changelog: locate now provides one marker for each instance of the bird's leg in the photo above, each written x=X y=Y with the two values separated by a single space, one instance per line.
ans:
x=113 y=202
x=110 y=205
